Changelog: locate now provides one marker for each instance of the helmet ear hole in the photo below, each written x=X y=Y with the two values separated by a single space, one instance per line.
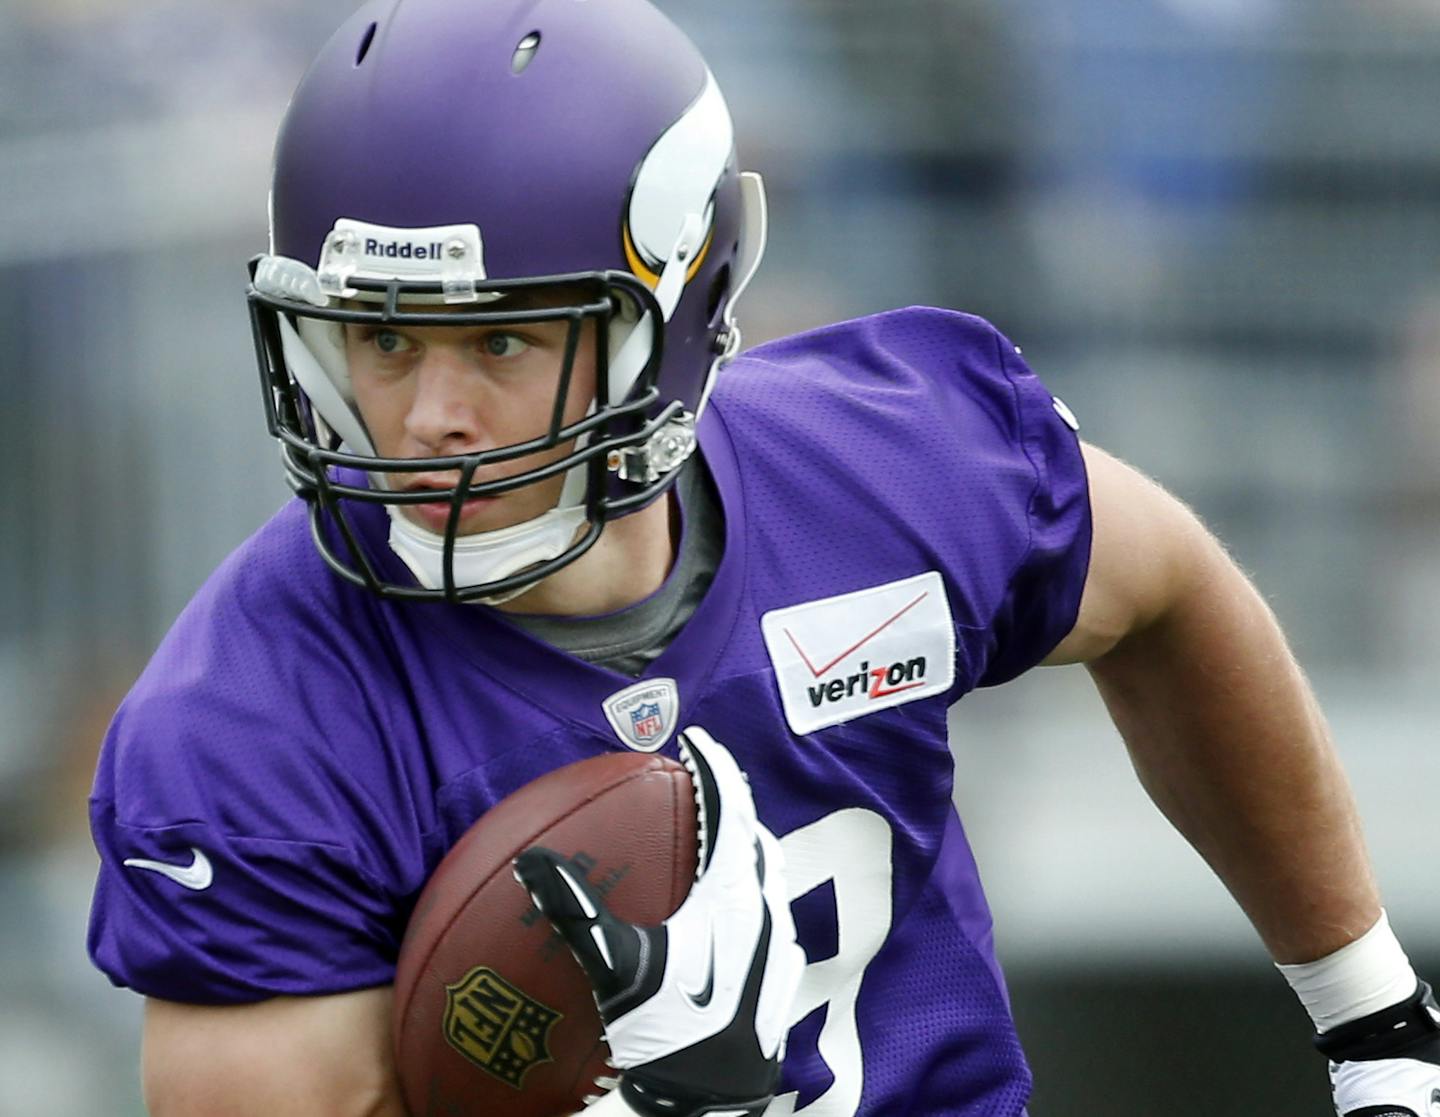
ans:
x=625 y=308
x=717 y=296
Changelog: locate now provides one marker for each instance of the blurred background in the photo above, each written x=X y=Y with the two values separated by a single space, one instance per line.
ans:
x=1214 y=227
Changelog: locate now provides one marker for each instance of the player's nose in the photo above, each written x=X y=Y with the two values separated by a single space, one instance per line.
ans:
x=445 y=414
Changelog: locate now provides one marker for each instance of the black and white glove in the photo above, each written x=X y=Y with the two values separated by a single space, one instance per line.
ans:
x=1387 y=1064
x=696 y=1009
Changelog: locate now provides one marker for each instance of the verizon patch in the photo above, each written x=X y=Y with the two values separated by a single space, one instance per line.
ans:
x=842 y=657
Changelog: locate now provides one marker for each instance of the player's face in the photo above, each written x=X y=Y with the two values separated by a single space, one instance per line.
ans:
x=436 y=391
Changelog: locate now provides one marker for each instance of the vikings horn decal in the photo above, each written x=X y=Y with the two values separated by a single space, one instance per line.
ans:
x=675 y=182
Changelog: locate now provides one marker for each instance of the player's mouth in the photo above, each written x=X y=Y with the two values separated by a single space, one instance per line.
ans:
x=435 y=515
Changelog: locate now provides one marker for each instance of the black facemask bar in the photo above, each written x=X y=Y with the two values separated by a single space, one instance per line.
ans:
x=310 y=461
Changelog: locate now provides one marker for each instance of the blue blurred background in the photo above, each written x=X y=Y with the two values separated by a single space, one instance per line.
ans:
x=1214 y=227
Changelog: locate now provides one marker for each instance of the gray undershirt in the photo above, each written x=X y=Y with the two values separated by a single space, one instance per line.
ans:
x=628 y=640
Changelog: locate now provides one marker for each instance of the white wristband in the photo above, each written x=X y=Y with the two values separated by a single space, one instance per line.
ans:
x=1365 y=976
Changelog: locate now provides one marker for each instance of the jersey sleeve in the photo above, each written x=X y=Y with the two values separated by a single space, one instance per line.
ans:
x=245 y=919
x=1041 y=598
x=240 y=856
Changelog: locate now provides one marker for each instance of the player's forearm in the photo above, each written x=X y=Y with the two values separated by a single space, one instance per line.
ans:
x=286 y=1057
x=1229 y=742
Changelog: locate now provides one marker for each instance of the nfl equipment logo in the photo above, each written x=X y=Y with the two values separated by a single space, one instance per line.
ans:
x=646 y=723
x=644 y=715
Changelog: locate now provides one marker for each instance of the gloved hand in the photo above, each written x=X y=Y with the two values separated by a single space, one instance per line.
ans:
x=1387 y=1064
x=696 y=1009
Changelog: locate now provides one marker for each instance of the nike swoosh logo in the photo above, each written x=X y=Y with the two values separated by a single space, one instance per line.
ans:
x=702 y=998
x=195 y=876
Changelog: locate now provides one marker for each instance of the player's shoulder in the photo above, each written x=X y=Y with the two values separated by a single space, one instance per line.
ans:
x=278 y=558
x=272 y=602
x=258 y=652
x=925 y=367
x=273 y=587
x=918 y=334
x=923 y=350
x=921 y=320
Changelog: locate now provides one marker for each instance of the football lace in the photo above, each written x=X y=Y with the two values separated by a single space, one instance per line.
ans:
x=605 y=1083
x=700 y=830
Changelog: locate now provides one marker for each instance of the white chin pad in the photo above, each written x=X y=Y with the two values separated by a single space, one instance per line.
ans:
x=486 y=556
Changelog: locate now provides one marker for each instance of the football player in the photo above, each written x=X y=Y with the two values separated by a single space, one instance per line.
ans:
x=535 y=521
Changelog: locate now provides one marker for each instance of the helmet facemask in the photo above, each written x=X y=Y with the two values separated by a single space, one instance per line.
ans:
x=312 y=410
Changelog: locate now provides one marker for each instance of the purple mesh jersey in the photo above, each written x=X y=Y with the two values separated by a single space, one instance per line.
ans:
x=906 y=518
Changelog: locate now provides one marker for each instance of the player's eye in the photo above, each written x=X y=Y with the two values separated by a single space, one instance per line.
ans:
x=501 y=344
x=389 y=342
x=382 y=339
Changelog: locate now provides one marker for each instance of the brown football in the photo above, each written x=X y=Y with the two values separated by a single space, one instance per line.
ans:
x=493 y=1015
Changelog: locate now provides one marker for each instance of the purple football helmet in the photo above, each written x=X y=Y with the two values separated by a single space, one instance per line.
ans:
x=442 y=163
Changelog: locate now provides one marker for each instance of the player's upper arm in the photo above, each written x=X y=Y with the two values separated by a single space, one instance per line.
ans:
x=287 y=1057
x=1147 y=550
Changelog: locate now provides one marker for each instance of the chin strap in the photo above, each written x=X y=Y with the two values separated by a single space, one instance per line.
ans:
x=486 y=556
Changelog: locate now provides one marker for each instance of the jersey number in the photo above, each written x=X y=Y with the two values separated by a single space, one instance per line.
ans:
x=851 y=848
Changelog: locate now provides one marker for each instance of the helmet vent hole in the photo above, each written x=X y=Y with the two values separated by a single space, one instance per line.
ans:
x=525 y=53
x=365 y=41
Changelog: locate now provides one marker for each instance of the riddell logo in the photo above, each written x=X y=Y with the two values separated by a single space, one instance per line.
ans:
x=873 y=682
x=402 y=250
x=844 y=657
